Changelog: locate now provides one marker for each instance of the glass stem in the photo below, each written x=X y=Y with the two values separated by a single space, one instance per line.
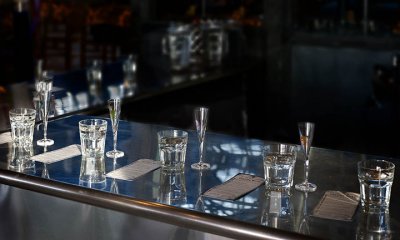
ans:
x=115 y=140
x=201 y=151
x=306 y=166
x=45 y=129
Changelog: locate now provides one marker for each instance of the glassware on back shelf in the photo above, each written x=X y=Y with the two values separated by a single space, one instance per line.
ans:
x=176 y=45
x=129 y=68
x=94 y=77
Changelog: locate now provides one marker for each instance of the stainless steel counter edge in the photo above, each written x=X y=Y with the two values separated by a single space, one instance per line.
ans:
x=154 y=211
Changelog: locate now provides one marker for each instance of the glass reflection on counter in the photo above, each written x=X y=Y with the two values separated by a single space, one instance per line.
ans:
x=45 y=171
x=20 y=160
x=374 y=225
x=278 y=211
x=173 y=188
x=303 y=226
x=114 y=185
x=92 y=173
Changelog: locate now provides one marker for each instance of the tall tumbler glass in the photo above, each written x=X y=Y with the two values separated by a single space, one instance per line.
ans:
x=93 y=137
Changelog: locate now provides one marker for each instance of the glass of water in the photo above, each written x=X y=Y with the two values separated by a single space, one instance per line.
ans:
x=279 y=162
x=93 y=137
x=172 y=149
x=376 y=179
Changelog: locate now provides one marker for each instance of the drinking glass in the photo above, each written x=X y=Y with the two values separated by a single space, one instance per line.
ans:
x=201 y=117
x=114 y=106
x=376 y=180
x=306 y=131
x=45 y=86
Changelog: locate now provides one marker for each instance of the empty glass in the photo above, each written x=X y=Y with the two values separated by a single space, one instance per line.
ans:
x=114 y=106
x=44 y=86
x=306 y=131
x=201 y=118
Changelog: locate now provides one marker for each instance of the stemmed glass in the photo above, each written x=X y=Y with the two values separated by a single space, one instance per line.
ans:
x=44 y=86
x=201 y=117
x=306 y=131
x=114 y=106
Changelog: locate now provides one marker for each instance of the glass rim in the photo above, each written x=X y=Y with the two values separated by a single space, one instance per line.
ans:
x=201 y=108
x=302 y=122
x=87 y=122
x=280 y=144
x=390 y=165
x=114 y=100
x=167 y=132
x=20 y=110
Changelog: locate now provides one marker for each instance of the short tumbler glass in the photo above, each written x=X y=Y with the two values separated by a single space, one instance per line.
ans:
x=172 y=149
x=376 y=179
x=22 y=122
x=279 y=162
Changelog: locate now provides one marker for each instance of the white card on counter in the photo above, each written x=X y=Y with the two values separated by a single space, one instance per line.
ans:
x=59 y=154
x=337 y=205
x=5 y=137
x=135 y=169
x=235 y=187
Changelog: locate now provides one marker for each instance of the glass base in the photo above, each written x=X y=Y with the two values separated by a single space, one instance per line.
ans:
x=45 y=142
x=306 y=187
x=115 y=154
x=200 y=166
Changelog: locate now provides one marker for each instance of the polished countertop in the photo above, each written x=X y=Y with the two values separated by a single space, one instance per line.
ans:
x=247 y=217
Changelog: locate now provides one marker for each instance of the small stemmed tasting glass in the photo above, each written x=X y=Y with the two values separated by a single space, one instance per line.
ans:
x=114 y=106
x=201 y=117
x=44 y=86
x=306 y=131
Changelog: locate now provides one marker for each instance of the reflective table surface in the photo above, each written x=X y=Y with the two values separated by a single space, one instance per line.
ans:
x=251 y=216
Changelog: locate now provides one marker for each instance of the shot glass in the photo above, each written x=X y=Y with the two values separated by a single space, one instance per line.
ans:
x=279 y=162
x=93 y=137
x=22 y=122
x=172 y=149
x=376 y=179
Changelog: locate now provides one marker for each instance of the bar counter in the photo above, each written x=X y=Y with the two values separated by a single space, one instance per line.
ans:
x=35 y=207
